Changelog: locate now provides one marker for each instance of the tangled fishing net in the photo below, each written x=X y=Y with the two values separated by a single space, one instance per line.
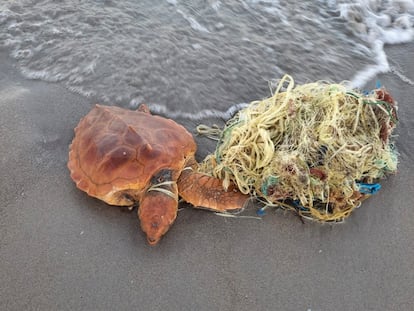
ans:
x=318 y=148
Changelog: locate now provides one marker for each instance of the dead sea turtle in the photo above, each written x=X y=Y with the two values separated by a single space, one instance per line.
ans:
x=129 y=158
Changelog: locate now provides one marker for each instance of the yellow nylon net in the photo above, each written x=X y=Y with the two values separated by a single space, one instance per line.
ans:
x=316 y=148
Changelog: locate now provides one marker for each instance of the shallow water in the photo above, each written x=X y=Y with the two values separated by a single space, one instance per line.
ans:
x=200 y=56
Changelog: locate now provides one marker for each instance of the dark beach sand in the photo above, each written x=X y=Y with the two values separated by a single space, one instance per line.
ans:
x=61 y=250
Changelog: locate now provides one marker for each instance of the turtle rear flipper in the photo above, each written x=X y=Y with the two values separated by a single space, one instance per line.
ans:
x=207 y=192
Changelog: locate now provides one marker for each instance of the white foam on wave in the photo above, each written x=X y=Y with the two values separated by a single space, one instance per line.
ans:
x=216 y=5
x=22 y=54
x=400 y=75
x=194 y=116
x=369 y=72
x=379 y=23
x=81 y=91
x=193 y=22
x=40 y=75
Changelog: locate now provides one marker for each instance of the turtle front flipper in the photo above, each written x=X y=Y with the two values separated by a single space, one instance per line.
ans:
x=204 y=191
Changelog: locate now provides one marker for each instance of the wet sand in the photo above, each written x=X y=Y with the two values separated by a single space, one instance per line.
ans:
x=62 y=250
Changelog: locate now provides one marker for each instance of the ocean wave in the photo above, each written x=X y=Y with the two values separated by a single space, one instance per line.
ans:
x=200 y=56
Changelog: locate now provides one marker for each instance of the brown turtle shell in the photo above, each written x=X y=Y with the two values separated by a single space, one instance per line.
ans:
x=118 y=151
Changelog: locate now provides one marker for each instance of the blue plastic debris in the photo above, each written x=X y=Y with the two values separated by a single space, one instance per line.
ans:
x=378 y=84
x=297 y=205
x=261 y=211
x=368 y=188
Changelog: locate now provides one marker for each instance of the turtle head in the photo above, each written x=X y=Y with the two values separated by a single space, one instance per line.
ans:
x=158 y=208
x=157 y=212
